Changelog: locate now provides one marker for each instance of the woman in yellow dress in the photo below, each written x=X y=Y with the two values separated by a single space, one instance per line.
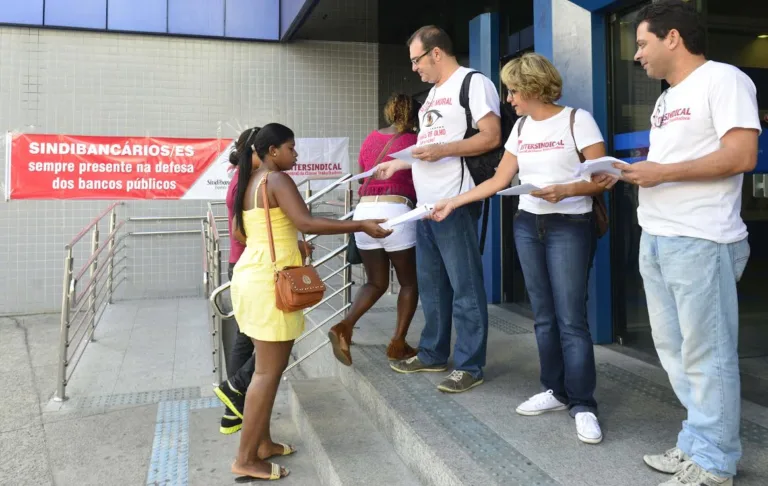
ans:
x=253 y=284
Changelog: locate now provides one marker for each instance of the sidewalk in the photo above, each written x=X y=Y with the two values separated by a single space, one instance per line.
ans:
x=141 y=409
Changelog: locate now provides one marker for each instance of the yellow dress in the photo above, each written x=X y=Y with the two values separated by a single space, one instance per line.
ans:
x=253 y=280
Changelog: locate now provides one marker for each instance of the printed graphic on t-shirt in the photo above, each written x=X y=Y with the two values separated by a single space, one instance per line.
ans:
x=432 y=121
x=527 y=148
x=676 y=115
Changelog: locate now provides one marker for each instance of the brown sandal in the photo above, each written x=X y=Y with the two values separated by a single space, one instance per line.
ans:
x=399 y=350
x=340 y=341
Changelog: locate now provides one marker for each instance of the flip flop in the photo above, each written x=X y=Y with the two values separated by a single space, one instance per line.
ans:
x=335 y=337
x=287 y=450
x=277 y=473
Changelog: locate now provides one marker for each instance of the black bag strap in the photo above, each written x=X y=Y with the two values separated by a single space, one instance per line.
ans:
x=464 y=100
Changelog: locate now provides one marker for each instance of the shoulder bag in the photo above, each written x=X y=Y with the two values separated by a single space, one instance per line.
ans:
x=296 y=288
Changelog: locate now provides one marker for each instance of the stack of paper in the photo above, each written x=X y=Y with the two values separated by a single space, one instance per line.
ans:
x=603 y=165
x=420 y=212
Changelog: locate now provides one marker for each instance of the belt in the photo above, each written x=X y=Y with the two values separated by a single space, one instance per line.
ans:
x=388 y=199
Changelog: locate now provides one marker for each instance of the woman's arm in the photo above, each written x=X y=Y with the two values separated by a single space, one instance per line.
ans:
x=289 y=200
x=501 y=179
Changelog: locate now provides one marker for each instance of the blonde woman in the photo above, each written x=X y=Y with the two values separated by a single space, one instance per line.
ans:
x=554 y=233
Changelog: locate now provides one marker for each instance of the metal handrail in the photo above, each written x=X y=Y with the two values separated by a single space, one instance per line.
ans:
x=91 y=294
x=93 y=223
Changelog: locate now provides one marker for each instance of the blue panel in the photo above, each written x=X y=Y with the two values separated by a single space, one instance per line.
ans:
x=21 y=12
x=196 y=17
x=484 y=57
x=289 y=9
x=138 y=15
x=542 y=28
x=253 y=19
x=594 y=5
x=86 y=14
x=600 y=303
x=632 y=140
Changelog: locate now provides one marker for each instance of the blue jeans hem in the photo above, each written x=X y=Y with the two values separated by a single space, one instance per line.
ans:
x=582 y=408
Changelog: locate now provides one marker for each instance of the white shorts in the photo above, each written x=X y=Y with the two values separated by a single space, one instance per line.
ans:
x=403 y=236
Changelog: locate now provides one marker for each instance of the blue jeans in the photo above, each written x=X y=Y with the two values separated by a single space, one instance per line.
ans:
x=450 y=276
x=690 y=286
x=555 y=252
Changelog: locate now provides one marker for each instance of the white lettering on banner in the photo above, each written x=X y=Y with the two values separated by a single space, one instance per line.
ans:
x=318 y=157
x=62 y=148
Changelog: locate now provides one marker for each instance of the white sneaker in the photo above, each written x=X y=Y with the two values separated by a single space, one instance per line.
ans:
x=691 y=474
x=588 y=428
x=671 y=462
x=541 y=403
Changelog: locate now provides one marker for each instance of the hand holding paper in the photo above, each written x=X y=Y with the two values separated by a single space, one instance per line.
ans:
x=420 y=212
x=603 y=165
x=362 y=175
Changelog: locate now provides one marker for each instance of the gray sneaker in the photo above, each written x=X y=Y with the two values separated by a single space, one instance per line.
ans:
x=414 y=365
x=691 y=474
x=671 y=462
x=459 y=381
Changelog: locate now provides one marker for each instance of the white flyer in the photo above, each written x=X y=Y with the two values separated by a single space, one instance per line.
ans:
x=518 y=190
x=603 y=165
x=362 y=175
x=406 y=155
x=420 y=212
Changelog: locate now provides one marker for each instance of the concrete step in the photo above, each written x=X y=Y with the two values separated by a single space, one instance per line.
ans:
x=345 y=447
x=439 y=440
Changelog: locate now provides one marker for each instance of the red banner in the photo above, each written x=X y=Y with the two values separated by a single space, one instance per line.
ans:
x=83 y=167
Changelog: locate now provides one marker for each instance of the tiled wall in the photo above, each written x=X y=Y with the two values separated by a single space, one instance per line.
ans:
x=116 y=84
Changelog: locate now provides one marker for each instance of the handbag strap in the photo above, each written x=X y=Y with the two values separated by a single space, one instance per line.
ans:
x=582 y=159
x=265 y=203
x=381 y=156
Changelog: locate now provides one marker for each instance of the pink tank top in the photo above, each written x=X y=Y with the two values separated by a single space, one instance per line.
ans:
x=401 y=184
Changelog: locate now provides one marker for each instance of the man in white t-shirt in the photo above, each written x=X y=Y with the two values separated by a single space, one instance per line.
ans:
x=694 y=248
x=449 y=266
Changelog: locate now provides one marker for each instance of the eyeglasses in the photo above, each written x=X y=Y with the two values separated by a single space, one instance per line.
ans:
x=416 y=60
x=661 y=109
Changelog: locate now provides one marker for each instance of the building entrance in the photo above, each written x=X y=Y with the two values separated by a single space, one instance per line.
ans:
x=737 y=35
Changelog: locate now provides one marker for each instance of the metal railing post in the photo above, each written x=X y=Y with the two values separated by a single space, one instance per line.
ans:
x=92 y=275
x=348 y=271
x=111 y=270
x=66 y=300
x=218 y=320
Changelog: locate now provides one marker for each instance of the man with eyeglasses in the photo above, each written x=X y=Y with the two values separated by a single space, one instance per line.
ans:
x=693 y=249
x=449 y=269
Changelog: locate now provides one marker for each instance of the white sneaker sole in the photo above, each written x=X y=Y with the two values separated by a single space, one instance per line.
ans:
x=587 y=440
x=532 y=413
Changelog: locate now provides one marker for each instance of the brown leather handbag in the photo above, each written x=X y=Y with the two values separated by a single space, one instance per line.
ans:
x=296 y=288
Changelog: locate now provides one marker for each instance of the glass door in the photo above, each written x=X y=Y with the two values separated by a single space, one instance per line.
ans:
x=633 y=97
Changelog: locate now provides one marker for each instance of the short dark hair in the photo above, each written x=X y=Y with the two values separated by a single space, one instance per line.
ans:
x=432 y=36
x=664 y=15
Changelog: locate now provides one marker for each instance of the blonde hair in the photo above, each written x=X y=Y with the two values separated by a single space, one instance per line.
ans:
x=534 y=77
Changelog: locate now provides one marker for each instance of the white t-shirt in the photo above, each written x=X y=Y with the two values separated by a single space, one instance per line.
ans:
x=443 y=120
x=547 y=155
x=696 y=114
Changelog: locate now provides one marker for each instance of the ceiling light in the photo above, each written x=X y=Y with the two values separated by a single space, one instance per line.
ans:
x=762 y=36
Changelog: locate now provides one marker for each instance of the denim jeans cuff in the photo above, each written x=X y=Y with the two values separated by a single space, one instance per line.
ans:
x=582 y=408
